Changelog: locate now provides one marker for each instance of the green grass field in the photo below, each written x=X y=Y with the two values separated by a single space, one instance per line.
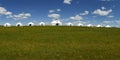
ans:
x=59 y=43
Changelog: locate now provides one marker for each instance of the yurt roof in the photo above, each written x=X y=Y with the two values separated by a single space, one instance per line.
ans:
x=42 y=23
x=8 y=24
x=30 y=23
x=89 y=25
x=19 y=23
x=99 y=26
x=79 y=24
x=69 y=23
x=107 y=26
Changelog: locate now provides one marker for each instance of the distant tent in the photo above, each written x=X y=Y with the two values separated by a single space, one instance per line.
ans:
x=107 y=26
x=99 y=26
x=56 y=23
x=7 y=25
x=80 y=24
x=30 y=24
x=42 y=24
x=89 y=25
x=69 y=24
x=19 y=24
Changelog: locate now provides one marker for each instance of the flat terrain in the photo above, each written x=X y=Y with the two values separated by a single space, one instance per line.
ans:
x=59 y=43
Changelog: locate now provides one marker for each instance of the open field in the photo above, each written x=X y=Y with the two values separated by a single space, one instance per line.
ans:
x=59 y=43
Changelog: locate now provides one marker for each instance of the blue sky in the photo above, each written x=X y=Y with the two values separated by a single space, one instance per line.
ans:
x=103 y=12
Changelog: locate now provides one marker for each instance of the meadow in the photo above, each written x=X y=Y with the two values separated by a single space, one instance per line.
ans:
x=59 y=43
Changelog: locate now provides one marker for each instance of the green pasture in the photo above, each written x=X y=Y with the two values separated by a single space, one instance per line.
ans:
x=59 y=43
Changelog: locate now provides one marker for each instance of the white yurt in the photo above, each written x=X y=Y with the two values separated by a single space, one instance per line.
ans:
x=7 y=25
x=69 y=24
x=107 y=26
x=19 y=24
x=89 y=25
x=99 y=26
x=56 y=23
x=30 y=24
x=79 y=24
x=42 y=24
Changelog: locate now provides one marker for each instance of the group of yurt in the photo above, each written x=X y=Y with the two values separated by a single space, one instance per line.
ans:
x=20 y=24
x=53 y=23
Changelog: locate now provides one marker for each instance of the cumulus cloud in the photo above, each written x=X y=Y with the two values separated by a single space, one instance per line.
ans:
x=117 y=21
x=107 y=22
x=102 y=12
x=85 y=13
x=4 y=11
x=103 y=8
x=9 y=14
x=106 y=0
x=77 y=17
x=52 y=11
x=54 y=16
x=20 y=16
x=110 y=16
x=67 y=1
x=58 y=10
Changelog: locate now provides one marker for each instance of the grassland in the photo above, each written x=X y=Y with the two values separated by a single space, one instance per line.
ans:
x=59 y=43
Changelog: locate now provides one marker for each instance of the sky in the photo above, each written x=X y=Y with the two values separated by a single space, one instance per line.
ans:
x=94 y=12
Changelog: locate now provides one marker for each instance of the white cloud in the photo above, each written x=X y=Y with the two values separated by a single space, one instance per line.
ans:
x=9 y=14
x=77 y=17
x=106 y=0
x=3 y=11
x=58 y=10
x=51 y=11
x=85 y=13
x=67 y=1
x=54 y=16
x=118 y=22
x=102 y=12
x=110 y=16
x=107 y=22
x=20 y=16
x=103 y=8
